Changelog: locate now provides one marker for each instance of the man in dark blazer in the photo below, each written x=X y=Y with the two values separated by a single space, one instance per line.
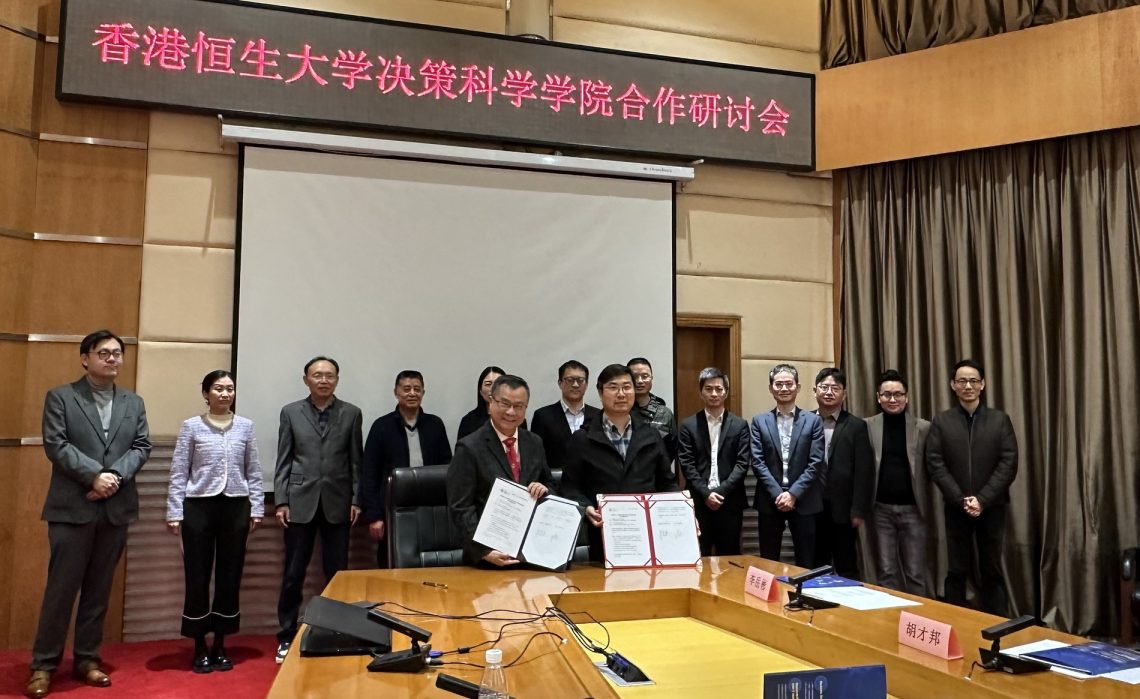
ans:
x=900 y=509
x=787 y=458
x=848 y=461
x=316 y=486
x=498 y=449
x=714 y=437
x=616 y=453
x=96 y=436
x=555 y=423
x=406 y=437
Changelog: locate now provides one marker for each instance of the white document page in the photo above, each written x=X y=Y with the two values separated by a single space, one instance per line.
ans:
x=553 y=533
x=505 y=517
x=625 y=533
x=674 y=530
x=861 y=598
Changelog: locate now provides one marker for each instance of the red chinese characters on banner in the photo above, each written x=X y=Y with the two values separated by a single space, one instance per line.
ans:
x=704 y=108
x=214 y=55
x=595 y=98
x=438 y=77
x=307 y=60
x=351 y=66
x=518 y=87
x=633 y=103
x=478 y=82
x=774 y=118
x=169 y=48
x=116 y=42
x=558 y=91
x=395 y=74
x=670 y=102
x=739 y=113
x=261 y=58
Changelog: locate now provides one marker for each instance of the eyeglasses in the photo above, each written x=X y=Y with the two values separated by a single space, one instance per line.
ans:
x=573 y=380
x=828 y=388
x=892 y=395
x=643 y=377
x=617 y=388
x=507 y=405
x=323 y=377
x=106 y=354
x=971 y=382
x=784 y=385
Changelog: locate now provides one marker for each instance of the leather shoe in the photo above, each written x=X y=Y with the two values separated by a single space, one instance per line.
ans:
x=220 y=661
x=202 y=664
x=39 y=684
x=90 y=674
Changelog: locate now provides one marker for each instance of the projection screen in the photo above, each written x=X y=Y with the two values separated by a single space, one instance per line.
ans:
x=387 y=264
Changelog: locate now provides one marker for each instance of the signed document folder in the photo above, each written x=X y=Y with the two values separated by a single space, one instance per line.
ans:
x=540 y=532
x=649 y=530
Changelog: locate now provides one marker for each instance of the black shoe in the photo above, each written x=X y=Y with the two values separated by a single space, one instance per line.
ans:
x=220 y=661
x=202 y=663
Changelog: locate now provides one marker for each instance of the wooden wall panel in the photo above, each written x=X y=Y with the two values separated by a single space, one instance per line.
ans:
x=77 y=287
x=82 y=119
x=20 y=13
x=13 y=353
x=191 y=199
x=9 y=464
x=50 y=364
x=29 y=564
x=17 y=181
x=15 y=283
x=90 y=190
x=1062 y=79
x=18 y=75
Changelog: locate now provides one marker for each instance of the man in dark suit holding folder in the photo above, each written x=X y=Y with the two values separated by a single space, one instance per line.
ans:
x=713 y=451
x=498 y=449
x=787 y=457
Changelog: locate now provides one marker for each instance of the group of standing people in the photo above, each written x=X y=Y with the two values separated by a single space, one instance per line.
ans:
x=822 y=473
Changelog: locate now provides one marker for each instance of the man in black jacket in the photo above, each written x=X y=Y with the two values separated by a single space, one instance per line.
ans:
x=555 y=423
x=971 y=453
x=848 y=479
x=714 y=450
x=405 y=437
x=616 y=453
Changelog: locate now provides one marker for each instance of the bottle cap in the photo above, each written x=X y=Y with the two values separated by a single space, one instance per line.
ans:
x=494 y=656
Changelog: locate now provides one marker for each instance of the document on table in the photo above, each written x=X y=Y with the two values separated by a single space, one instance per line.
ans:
x=649 y=530
x=1047 y=644
x=861 y=598
x=542 y=533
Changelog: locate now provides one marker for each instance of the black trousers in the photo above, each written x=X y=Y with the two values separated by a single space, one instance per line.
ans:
x=803 y=535
x=835 y=545
x=83 y=561
x=987 y=532
x=214 y=534
x=720 y=529
x=299 y=541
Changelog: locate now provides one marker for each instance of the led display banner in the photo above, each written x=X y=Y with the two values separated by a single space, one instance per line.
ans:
x=246 y=59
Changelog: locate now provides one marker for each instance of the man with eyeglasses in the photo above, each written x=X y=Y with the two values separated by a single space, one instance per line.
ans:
x=316 y=486
x=713 y=451
x=898 y=516
x=787 y=458
x=617 y=453
x=971 y=454
x=407 y=437
x=848 y=484
x=555 y=423
x=498 y=449
x=651 y=408
x=96 y=437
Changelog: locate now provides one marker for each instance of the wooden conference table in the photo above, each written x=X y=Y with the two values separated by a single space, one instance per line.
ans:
x=710 y=600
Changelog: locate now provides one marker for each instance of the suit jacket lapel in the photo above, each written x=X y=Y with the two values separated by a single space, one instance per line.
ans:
x=704 y=444
x=309 y=411
x=912 y=445
x=86 y=402
x=499 y=453
x=118 y=407
x=875 y=429
x=797 y=427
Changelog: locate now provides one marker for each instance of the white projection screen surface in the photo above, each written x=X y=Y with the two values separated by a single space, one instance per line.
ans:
x=387 y=264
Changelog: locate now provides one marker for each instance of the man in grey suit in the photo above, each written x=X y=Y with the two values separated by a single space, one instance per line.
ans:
x=96 y=437
x=899 y=513
x=498 y=449
x=316 y=486
x=787 y=458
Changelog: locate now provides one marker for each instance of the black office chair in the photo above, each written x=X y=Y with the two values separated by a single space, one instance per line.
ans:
x=420 y=534
x=1129 y=595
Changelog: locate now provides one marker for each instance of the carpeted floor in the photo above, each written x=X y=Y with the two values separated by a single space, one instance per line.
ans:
x=157 y=670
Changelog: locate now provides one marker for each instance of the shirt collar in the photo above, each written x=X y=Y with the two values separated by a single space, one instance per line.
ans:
x=567 y=409
x=715 y=420
x=790 y=414
x=502 y=436
x=830 y=416
x=609 y=424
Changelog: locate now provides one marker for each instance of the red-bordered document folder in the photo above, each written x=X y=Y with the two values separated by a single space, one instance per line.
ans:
x=649 y=530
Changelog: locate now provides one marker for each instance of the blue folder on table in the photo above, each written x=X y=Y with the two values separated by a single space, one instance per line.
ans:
x=831 y=580
x=859 y=682
x=1093 y=658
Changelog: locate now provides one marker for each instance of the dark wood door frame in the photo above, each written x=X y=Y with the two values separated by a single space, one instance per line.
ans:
x=719 y=322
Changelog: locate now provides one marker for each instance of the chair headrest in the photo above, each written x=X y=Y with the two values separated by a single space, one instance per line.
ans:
x=424 y=486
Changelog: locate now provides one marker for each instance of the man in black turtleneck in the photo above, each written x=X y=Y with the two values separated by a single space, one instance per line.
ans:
x=898 y=517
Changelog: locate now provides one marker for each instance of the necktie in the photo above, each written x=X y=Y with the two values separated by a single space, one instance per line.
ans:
x=513 y=458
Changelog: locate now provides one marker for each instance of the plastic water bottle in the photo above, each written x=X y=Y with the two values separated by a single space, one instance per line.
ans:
x=494 y=684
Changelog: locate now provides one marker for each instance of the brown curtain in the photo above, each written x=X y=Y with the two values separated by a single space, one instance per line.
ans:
x=854 y=31
x=1026 y=258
